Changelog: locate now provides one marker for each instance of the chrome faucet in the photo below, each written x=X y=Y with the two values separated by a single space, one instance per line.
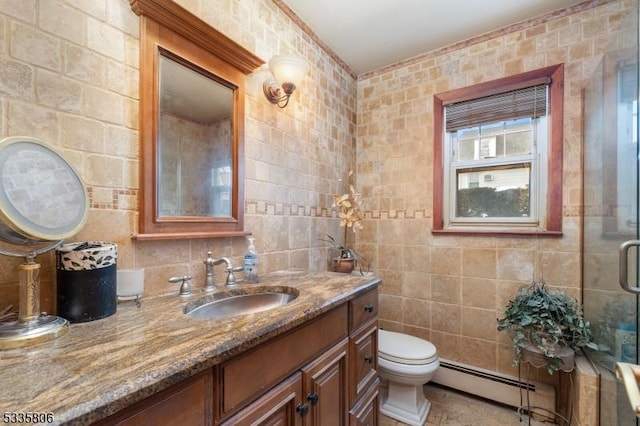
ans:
x=210 y=262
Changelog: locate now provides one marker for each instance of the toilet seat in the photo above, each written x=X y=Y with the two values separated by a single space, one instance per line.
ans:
x=405 y=349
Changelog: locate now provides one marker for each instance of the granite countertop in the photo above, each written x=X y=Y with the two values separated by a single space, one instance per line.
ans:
x=102 y=366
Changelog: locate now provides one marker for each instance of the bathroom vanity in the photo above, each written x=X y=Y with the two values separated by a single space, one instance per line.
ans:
x=310 y=361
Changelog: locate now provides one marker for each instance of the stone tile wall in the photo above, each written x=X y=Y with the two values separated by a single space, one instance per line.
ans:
x=70 y=77
x=451 y=289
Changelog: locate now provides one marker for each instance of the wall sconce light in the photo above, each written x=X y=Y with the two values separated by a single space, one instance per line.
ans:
x=289 y=71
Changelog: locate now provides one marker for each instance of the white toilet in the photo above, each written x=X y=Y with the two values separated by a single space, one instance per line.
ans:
x=405 y=364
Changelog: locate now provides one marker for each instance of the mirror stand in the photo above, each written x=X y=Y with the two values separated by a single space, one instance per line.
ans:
x=32 y=326
x=43 y=202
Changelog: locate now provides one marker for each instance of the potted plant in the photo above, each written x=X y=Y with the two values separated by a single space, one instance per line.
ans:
x=346 y=260
x=349 y=212
x=546 y=327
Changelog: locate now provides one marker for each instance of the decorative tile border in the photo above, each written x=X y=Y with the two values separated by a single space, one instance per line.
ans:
x=281 y=209
x=267 y=208
x=117 y=197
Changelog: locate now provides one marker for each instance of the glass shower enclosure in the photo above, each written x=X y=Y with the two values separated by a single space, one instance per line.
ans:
x=611 y=196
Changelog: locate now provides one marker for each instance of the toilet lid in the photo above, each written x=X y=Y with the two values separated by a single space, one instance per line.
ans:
x=405 y=349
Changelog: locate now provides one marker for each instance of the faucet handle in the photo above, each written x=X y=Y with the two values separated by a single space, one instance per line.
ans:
x=231 y=278
x=185 y=287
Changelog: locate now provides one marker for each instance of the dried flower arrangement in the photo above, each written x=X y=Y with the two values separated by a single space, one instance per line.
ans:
x=349 y=207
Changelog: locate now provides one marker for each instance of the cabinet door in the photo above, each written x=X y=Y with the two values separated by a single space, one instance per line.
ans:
x=326 y=387
x=281 y=406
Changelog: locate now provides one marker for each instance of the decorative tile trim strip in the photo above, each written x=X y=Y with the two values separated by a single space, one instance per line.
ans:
x=115 y=203
x=267 y=208
x=280 y=209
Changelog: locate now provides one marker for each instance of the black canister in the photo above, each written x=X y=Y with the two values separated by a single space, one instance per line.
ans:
x=86 y=280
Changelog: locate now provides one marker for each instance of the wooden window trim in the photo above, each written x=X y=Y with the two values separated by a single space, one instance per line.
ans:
x=553 y=217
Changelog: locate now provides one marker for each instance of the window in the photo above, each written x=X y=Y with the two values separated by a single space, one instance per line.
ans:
x=498 y=156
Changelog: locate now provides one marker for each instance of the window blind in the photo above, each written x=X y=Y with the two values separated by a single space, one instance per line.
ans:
x=526 y=102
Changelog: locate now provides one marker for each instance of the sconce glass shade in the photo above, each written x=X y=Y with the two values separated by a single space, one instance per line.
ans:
x=288 y=69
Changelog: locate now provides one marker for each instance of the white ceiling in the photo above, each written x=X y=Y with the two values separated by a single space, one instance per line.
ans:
x=369 y=34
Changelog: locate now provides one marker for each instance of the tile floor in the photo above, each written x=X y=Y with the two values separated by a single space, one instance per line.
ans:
x=453 y=408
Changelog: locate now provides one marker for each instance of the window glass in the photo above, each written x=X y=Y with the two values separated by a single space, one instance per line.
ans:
x=493 y=165
x=496 y=192
x=495 y=140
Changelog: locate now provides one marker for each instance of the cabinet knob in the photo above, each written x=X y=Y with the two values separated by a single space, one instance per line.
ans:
x=369 y=359
x=313 y=398
x=368 y=308
x=302 y=409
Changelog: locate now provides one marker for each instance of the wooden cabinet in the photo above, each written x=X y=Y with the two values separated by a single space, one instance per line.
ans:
x=246 y=377
x=313 y=396
x=323 y=373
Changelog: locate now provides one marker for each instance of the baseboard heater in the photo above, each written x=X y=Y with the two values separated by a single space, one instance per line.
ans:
x=494 y=386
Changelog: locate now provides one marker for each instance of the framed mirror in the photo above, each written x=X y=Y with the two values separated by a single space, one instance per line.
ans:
x=194 y=143
x=191 y=125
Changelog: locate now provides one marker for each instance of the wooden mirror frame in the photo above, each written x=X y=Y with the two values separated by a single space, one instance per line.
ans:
x=166 y=25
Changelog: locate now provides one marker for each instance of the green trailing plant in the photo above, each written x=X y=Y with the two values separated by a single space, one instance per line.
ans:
x=546 y=320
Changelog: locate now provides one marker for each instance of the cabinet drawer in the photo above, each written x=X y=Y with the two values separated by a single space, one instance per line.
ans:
x=363 y=354
x=366 y=412
x=186 y=403
x=363 y=309
x=249 y=375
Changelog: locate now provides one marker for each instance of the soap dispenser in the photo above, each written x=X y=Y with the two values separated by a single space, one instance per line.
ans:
x=251 y=263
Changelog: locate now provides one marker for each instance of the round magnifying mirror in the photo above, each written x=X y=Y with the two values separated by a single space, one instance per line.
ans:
x=41 y=196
